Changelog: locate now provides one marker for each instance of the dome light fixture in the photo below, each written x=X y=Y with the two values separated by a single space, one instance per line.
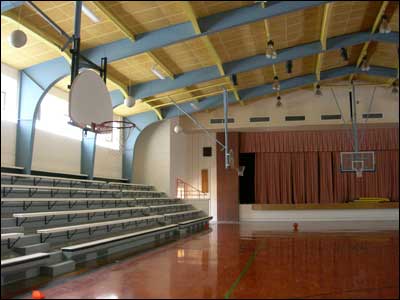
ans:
x=385 y=27
x=276 y=86
x=278 y=102
x=318 y=91
x=395 y=87
x=365 y=65
x=271 y=53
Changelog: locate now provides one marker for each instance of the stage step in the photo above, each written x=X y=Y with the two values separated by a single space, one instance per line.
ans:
x=58 y=269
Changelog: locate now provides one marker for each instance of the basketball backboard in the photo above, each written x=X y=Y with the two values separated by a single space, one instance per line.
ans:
x=89 y=100
x=357 y=162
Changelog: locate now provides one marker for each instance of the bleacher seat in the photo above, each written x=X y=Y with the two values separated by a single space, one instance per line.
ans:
x=77 y=214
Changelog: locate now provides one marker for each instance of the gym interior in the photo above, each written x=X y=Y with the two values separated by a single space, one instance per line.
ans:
x=199 y=149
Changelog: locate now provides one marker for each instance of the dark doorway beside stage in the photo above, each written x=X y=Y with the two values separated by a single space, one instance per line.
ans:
x=246 y=182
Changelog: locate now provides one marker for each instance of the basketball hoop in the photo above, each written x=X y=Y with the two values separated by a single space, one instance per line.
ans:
x=231 y=159
x=108 y=126
x=358 y=167
x=357 y=162
x=241 y=170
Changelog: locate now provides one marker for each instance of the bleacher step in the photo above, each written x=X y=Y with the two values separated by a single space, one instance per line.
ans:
x=8 y=222
x=31 y=249
x=58 y=269
x=12 y=229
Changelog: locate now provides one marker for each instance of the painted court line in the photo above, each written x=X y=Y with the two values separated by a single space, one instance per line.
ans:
x=244 y=271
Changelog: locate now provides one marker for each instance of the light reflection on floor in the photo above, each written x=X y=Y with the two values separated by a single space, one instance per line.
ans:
x=254 y=260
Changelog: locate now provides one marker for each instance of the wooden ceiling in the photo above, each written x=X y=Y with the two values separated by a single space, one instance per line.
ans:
x=286 y=31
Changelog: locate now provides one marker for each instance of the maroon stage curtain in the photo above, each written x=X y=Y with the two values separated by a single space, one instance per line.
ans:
x=374 y=139
x=304 y=167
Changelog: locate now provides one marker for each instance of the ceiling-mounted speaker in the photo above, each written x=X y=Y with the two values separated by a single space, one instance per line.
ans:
x=234 y=79
x=289 y=66
x=17 y=38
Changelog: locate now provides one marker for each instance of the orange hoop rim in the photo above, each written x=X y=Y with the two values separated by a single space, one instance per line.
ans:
x=107 y=126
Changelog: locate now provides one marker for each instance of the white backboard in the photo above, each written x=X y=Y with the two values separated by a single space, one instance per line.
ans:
x=89 y=100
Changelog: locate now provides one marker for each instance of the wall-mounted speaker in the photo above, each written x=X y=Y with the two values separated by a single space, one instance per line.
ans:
x=207 y=151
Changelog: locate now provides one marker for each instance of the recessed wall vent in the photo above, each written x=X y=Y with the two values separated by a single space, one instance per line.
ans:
x=221 y=121
x=373 y=116
x=258 y=119
x=331 y=117
x=295 y=118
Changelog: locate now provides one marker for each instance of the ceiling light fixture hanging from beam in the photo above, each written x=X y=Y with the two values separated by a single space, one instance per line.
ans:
x=323 y=41
x=187 y=7
x=268 y=38
x=373 y=30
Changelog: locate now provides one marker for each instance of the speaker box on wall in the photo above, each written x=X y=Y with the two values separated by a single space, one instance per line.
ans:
x=207 y=151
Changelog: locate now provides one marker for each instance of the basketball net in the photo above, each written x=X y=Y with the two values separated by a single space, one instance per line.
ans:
x=124 y=128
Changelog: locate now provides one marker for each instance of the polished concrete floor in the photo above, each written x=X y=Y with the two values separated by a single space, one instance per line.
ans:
x=250 y=261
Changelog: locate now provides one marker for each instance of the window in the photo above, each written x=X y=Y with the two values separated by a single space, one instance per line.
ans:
x=3 y=101
x=9 y=92
x=53 y=116
x=110 y=140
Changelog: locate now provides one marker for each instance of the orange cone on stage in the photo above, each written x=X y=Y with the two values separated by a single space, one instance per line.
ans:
x=295 y=227
x=37 y=295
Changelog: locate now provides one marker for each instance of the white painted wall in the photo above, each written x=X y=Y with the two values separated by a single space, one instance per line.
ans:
x=247 y=214
x=162 y=156
x=107 y=163
x=52 y=152
x=187 y=161
x=8 y=142
x=8 y=128
x=152 y=157
x=304 y=102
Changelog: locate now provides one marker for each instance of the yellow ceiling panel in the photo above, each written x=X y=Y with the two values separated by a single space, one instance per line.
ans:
x=186 y=56
x=296 y=28
x=394 y=20
x=144 y=16
x=332 y=59
x=240 y=42
x=352 y=16
x=385 y=55
x=35 y=51
x=206 y=8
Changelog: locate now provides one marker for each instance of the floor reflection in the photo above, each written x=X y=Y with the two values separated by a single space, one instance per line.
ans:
x=234 y=261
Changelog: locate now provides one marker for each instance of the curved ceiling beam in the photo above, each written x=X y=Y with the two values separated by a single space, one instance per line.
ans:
x=364 y=50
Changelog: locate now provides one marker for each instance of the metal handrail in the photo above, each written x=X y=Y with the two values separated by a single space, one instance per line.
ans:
x=185 y=190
